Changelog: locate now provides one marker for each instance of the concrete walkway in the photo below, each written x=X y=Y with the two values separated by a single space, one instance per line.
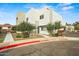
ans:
x=16 y=44
x=20 y=43
x=35 y=39
x=72 y=38
x=60 y=38
x=50 y=48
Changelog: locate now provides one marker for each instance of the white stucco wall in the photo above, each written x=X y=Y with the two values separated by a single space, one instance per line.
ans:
x=34 y=16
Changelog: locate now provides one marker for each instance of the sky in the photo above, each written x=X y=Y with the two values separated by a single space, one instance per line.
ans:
x=8 y=11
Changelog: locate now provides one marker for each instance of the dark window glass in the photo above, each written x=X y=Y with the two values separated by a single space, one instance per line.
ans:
x=16 y=18
x=42 y=28
x=8 y=27
x=42 y=17
x=26 y=19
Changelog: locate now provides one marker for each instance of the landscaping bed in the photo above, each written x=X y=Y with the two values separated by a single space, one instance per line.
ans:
x=32 y=37
x=1 y=40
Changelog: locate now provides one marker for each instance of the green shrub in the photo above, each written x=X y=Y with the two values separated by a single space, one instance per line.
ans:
x=26 y=35
x=19 y=36
x=55 y=34
x=1 y=40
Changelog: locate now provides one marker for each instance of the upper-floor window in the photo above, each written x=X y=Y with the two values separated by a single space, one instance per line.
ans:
x=42 y=17
x=27 y=19
x=9 y=27
x=16 y=18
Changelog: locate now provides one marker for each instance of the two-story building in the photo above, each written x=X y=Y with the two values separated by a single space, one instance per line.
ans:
x=40 y=18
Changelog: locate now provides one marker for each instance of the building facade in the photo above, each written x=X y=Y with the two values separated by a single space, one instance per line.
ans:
x=70 y=28
x=40 y=18
x=6 y=27
x=20 y=17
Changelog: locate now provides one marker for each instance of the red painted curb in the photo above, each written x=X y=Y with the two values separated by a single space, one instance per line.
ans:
x=15 y=45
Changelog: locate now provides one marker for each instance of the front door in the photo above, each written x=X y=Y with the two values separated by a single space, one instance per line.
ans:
x=38 y=29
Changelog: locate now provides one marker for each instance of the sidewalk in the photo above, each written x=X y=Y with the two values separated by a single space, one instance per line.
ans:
x=60 y=38
x=20 y=43
x=72 y=38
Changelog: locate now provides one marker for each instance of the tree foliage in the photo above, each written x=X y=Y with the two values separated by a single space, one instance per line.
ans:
x=55 y=26
x=0 y=28
x=14 y=28
x=76 y=25
x=25 y=27
x=50 y=28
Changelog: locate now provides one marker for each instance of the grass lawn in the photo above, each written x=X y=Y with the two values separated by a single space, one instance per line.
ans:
x=1 y=40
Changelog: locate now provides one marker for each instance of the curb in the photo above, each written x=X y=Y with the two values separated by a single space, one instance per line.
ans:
x=19 y=44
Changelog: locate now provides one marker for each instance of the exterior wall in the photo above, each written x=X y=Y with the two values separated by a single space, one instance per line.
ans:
x=20 y=18
x=43 y=31
x=46 y=19
x=70 y=28
x=56 y=17
x=4 y=27
x=33 y=16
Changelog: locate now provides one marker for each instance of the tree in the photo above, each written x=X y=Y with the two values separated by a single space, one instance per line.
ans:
x=14 y=28
x=50 y=28
x=0 y=29
x=76 y=26
x=25 y=27
x=57 y=25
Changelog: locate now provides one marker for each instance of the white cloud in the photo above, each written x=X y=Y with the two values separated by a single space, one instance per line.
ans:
x=63 y=4
x=67 y=7
x=36 y=6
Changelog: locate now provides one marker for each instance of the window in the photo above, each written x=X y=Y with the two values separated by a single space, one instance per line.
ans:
x=42 y=17
x=26 y=19
x=43 y=28
x=9 y=27
x=16 y=18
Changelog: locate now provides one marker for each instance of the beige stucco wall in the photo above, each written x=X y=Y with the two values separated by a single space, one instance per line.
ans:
x=21 y=17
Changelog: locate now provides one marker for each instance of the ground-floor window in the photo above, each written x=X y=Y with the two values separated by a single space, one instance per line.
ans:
x=43 y=28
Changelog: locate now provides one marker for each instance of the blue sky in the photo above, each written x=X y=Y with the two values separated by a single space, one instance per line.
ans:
x=8 y=11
